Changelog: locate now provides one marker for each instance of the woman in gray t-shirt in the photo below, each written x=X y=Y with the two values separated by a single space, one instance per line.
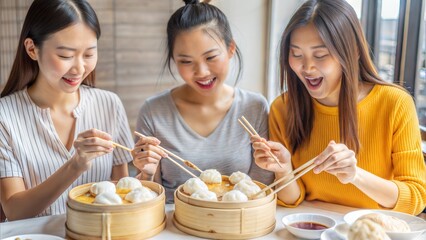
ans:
x=198 y=120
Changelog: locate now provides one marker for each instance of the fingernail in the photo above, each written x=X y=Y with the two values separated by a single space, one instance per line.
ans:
x=316 y=170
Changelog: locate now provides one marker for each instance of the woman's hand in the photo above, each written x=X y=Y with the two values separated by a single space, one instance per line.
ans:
x=264 y=160
x=146 y=155
x=339 y=160
x=89 y=145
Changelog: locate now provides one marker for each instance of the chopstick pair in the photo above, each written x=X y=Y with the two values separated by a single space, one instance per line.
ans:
x=121 y=146
x=186 y=162
x=249 y=128
x=308 y=166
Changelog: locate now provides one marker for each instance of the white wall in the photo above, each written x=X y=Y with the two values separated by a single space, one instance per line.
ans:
x=279 y=16
x=248 y=20
x=257 y=26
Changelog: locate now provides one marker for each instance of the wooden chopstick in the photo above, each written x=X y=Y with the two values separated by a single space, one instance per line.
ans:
x=253 y=132
x=186 y=162
x=295 y=178
x=169 y=158
x=121 y=146
x=177 y=164
x=308 y=165
x=285 y=177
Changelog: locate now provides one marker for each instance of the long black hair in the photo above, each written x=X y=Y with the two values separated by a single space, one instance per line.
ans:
x=195 y=14
x=44 y=18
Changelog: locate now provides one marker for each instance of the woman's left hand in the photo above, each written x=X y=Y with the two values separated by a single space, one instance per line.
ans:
x=339 y=160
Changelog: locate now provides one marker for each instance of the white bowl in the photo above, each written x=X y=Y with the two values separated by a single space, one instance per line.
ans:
x=307 y=217
x=417 y=225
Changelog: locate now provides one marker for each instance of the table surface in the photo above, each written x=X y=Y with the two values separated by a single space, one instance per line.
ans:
x=55 y=225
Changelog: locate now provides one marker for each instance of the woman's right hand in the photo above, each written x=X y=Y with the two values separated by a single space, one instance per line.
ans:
x=263 y=158
x=147 y=155
x=89 y=145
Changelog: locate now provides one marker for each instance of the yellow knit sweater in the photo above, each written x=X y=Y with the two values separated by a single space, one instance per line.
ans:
x=390 y=148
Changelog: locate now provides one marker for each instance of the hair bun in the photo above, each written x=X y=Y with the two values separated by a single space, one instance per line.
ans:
x=191 y=2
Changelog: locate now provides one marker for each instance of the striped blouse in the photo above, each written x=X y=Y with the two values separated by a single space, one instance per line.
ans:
x=31 y=149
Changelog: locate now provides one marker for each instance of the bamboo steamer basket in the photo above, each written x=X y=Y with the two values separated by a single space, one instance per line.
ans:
x=225 y=220
x=121 y=222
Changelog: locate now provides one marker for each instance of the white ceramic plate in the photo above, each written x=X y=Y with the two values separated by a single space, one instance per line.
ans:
x=338 y=233
x=417 y=225
x=34 y=237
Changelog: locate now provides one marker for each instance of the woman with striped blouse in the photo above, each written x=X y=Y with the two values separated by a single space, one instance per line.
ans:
x=55 y=128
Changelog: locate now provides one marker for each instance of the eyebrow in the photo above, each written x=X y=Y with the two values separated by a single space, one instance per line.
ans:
x=209 y=51
x=72 y=49
x=314 y=47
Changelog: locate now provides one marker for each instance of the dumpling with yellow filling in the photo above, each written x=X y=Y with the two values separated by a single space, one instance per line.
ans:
x=249 y=188
x=194 y=184
x=211 y=176
x=127 y=184
x=204 y=195
x=101 y=187
x=234 y=196
x=236 y=177
x=141 y=194
x=108 y=198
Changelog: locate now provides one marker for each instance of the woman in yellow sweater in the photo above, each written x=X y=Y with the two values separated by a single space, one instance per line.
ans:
x=362 y=131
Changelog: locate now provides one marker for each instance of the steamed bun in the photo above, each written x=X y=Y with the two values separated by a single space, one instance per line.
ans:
x=234 y=196
x=108 y=198
x=236 y=177
x=388 y=223
x=141 y=194
x=194 y=184
x=211 y=176
x=101 y=187
x=128 y=184
x=249 y=188
x=204 y=195
x=366 y=229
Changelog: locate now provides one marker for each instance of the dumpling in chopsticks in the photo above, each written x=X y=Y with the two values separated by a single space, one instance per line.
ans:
x=234 y=196
x=194 y=184
x=141 y=194
x=366 y=229
x=204 y=195
x=211 y=176
x=388 y=223
x=127 y=184
x=236 y=177
x=108 y=198
x=249 y=188
x=101 y=187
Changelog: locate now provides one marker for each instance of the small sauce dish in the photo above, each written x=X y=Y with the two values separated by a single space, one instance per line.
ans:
x=307 y=225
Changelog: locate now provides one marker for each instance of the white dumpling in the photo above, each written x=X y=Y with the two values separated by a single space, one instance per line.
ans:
x=128 y=183
x=236 y=177
x=366 y=229
x=141 y=194
x=211 y=176
x=204 y=195
x=101 y=187
x=194 y=184
x=388 y=223
x=249 y=188
x=234 y=196
x=108 y=198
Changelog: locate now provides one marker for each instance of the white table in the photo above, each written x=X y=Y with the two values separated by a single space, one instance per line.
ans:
x=55 y=225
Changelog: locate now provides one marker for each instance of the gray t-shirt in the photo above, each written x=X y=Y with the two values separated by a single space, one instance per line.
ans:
x=227 y=149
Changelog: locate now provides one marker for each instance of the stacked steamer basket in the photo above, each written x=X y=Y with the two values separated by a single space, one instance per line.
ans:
x=225 y=220
x=128 y=221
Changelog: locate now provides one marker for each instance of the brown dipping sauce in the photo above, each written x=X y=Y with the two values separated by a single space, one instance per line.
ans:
x=309 y=225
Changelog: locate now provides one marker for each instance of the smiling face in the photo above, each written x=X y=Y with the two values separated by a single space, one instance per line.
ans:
x=202 y=60
x=317 y=69
x=66 y=58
